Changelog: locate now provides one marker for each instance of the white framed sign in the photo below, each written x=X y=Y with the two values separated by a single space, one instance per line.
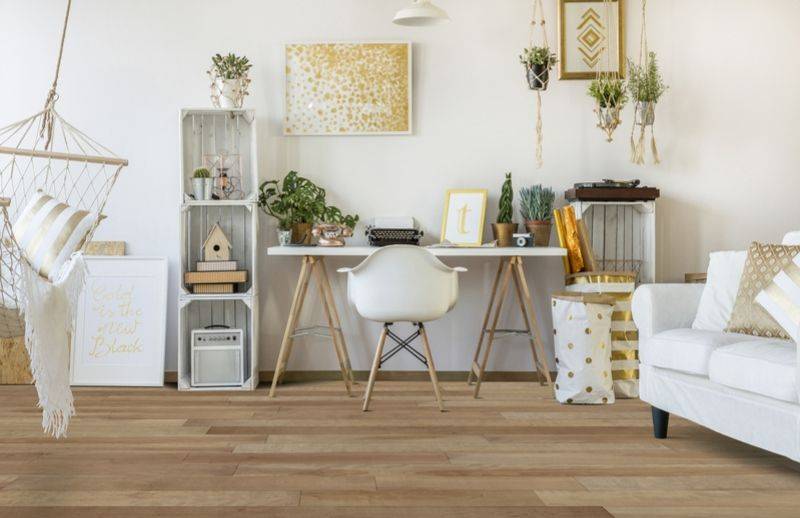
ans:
x=120 y=329
x=464 y=213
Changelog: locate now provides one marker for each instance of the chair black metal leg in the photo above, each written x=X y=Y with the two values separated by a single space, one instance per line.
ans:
x=660 y=423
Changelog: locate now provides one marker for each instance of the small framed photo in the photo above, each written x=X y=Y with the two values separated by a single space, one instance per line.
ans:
x=464 y=213
x=591 y=38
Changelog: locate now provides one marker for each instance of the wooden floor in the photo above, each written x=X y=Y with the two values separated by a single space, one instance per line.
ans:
x=312 y=452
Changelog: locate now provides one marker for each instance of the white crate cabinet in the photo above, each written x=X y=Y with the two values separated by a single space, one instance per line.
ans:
x=623 y=235
x=204 y=133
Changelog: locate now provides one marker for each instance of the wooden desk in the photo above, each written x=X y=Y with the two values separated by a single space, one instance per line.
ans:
x=510 y=267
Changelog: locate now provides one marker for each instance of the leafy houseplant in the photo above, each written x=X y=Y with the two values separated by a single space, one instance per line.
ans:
x=609 y=95
x=536 y=208
x=202 y=183
x=229 y=80
x=538 y=62
x=297 y=203
x=646 y=87
x=504 y=228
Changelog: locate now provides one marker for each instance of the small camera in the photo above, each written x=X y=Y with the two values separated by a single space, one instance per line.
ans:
x=523 y=240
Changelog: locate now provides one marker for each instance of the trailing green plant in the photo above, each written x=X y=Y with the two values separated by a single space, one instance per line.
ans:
x=536 y=203
x=505 y=212
x=201 y=172
x=645 y=84
x=296 y=199
x=230 y=66
x=538 y=56
x=609 y=92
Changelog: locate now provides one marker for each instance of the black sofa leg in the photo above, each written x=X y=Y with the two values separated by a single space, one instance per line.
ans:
x=660 y=423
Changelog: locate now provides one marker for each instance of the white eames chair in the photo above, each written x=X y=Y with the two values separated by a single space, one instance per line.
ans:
x=402 y=283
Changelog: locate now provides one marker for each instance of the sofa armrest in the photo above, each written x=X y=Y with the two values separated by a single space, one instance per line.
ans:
x=660 y=307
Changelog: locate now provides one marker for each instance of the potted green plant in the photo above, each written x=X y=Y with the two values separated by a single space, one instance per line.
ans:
x=229 y=80
x=646 y=86
x=608 y=92
x=504 y=228
x=536 y=208
x=297 y=203
x=538 y=62
x=202 y=183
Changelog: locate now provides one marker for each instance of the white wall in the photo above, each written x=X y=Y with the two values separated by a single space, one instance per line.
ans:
x=727 y=127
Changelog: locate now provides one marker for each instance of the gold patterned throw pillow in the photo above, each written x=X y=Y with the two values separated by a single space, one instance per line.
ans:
x=763 y=263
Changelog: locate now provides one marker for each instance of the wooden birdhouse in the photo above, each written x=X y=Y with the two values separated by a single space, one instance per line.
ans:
x=216 y=246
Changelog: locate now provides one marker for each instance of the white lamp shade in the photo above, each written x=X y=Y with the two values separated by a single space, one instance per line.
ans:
x=421 y=13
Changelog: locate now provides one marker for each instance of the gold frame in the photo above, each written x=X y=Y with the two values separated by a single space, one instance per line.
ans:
x=448 y=194
x=562 y=73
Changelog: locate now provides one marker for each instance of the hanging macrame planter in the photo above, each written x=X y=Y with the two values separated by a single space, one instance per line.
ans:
x=646 y=87
x=538 y=60
x=608 y=88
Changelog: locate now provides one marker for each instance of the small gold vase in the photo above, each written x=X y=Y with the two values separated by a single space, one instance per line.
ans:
x=504 y=233
x=301 y=233
x=540 y=231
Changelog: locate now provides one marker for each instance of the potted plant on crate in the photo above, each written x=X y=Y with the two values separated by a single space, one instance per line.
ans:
x=538 y=62
x=646 y=87
x=536 y=208
x=202 y=183
x=297 y=203
x=608 y=92
x=229 y=80
x=504 y=228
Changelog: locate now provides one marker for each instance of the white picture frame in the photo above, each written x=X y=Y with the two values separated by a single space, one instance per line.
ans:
x=120 y=328
x=464 y=215
x=303 y=99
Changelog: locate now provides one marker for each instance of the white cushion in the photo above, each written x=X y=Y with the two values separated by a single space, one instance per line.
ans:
x=686 y=350
x=765 y=367
x=781 y=299
x=722 y=285
x=792 y=238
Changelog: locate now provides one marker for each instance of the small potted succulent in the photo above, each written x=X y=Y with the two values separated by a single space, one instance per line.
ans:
x=229 y=80
x=504 y=228
x=609 y=95
x=202 y=183
x=298 y=203
x=646 y=87
x=536 y=208
x=538 y=62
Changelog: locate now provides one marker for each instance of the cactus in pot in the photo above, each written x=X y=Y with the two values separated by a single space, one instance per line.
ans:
x=504 y=228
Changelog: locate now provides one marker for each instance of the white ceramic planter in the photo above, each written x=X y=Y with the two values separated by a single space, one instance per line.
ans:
x=227 y=90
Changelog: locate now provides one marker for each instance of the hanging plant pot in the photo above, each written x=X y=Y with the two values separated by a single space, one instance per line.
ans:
x=608 y=119
x=538 y=76
x=645 y=113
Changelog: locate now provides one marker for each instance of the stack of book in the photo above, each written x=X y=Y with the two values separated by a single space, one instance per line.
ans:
x=215 y=277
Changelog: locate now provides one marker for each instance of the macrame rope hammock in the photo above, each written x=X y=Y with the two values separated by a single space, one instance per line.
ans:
x=539 y=77
x=644 y=113
x=612 y=87
x=45 y=153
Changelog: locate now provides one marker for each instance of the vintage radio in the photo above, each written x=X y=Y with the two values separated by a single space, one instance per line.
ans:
x=217 y=357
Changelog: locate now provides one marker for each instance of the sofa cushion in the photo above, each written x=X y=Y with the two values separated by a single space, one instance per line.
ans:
x=766 y=367
x=686 y=350
x=722 y=285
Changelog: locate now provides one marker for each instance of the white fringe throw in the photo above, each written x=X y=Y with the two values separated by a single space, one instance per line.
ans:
x=49 y=311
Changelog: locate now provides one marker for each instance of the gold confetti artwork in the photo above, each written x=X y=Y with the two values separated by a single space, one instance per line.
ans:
x=348 y=88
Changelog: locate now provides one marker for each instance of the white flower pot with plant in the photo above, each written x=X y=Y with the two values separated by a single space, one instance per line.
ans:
x=536 y=208
x=538 y=62
x=646 y=87
x=229 y=80
x=609 y=95
x=202 y=184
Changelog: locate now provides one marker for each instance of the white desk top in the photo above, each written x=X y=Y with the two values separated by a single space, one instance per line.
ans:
x=363 y=251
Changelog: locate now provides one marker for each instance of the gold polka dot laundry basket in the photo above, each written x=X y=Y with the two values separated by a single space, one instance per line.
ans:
x=582 y=325
x=624 y=335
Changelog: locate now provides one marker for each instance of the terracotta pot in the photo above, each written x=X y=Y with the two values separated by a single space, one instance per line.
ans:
x=540 y=231
x=301 y=233
x=504 y=233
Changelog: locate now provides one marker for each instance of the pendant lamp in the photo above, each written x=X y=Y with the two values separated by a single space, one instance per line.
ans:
x=421 y=13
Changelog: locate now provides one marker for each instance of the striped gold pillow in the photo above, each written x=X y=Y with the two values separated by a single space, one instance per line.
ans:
x=781 y=299
x=49 y=232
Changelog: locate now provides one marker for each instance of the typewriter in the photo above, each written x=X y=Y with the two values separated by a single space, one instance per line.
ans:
x=385 y=231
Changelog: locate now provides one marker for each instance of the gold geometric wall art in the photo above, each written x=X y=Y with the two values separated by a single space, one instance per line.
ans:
x=587 y=30
x=348 y=88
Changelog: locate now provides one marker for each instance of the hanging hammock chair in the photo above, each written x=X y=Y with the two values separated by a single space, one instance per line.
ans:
x=46 y=153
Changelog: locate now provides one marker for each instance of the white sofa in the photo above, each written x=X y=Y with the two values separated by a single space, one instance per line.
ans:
x=741 y=386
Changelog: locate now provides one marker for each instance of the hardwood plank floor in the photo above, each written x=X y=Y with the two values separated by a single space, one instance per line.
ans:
x=311 y=452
